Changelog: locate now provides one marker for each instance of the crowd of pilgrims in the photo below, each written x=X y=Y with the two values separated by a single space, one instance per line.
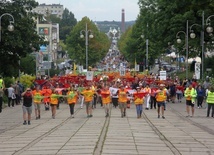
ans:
x=118 y=93
x=147 y=91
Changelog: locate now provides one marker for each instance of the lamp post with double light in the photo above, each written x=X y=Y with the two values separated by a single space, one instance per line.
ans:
x=10 y=27
x=88 y=34
x=187 y=44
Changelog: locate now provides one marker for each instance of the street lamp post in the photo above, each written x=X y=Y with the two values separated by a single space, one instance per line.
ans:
x=147 y=48
x=192 y=35
x=187 y=44
x=10 y=27
x=88 y=33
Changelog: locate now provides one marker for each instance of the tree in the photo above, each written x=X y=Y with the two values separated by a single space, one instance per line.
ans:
x=164 y=19
x=66 y=24
x=17 y=44
x=97 y=48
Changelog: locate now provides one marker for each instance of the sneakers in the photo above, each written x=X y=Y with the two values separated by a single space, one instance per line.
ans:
x=158 y=116
x=147 y=108
x=25 y=123
x=90 y=116
x=72 y=116
x=28 y=122
x=107 y=115
x=53 y=117
x=163 y=117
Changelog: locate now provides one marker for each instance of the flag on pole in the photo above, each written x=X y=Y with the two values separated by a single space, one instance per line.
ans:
x=74 y=68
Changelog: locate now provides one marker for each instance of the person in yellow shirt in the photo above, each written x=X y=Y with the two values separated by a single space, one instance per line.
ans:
x=37 y=100
x=88 y=98
x=72 y=98
x=53 y=102
x=190 y=95
x=138 y=101
x=161 y=96
x=106 y=99
x=122 y=99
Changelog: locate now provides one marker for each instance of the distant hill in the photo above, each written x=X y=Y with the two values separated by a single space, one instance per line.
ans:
x=104 y=26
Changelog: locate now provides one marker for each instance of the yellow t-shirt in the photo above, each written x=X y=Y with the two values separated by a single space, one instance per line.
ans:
x=88 y=95
x=106 y=97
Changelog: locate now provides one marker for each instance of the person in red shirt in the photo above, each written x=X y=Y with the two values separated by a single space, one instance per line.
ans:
x=46 y=92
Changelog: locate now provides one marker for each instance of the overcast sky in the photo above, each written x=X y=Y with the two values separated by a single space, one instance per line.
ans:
x=99 y=10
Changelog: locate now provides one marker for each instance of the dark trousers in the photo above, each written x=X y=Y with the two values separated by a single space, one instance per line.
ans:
x=94 y=102
x=17 y=99
x=1 y=100
x=210 y=105
x=72 y=108
x=9 y=100
x=100 y=100
x=115 y=102
x=200 y=101
x=153 y=102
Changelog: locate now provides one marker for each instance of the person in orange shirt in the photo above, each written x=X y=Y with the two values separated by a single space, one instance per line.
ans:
x=161 y=96
x=53 y=102
x=37 y=99
x=88 y=98
x=122 y=99
x=72 y=98
x=138 y=101
x=46 y=92
x=106 y=99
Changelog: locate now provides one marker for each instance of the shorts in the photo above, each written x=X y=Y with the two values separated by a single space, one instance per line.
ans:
x=189 y=103
x=122 y=105
x=53 y=105
x=37 y=106
x=27 y=109
x=88 y=104
x=160 y=104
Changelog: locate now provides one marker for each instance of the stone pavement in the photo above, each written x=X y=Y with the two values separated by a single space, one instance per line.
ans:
x=175 y=135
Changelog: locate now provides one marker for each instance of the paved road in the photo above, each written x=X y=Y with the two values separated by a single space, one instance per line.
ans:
x=149 y=135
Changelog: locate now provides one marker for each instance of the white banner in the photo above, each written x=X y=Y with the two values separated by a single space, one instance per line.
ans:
x=80 y=68
x=90 y=75
x=137 y=67
x=122 y=71
x=162 y=75
x=197 y=70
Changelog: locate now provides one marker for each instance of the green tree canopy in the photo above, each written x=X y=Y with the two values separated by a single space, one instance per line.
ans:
x=18 y=43
x=97 y=46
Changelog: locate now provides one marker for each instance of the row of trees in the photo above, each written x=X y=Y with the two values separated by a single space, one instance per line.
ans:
x=159 y=21
x=18 y=45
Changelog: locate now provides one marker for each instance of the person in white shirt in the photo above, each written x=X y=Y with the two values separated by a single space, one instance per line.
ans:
x=11 y=97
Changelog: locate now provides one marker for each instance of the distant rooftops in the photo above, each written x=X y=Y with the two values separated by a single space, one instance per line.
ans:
x=43 y=4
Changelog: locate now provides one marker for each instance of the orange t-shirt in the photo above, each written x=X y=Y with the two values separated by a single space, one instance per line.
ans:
x=88 y=95
x=72 y=97
x=106 y=96
x=122 y=96
x=37 y=96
